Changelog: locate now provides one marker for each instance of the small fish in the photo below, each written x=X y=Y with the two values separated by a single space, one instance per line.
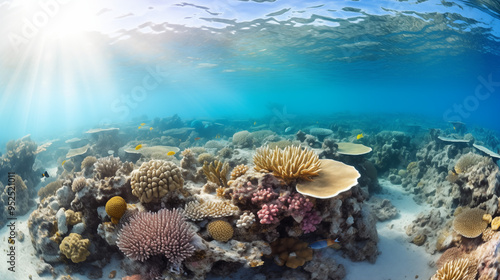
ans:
x=45 y=174
x=150 y=128
x=171 y=153
x=139 y=127
x=64 y=161
x=217 y=136
x=359 y=136
x=254 y=123
x=138 y=147
x=320 y=244
x=288 y=129
x=110 y=152
x=454 y=128
x=143 y=124
x=195 y=139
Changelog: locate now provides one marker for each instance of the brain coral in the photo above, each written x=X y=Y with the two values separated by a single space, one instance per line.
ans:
x=116 y=207
x=220 y=230
x=461 y=269
x=290 y=163
x=74 y=247
x=154 y=179
x=469 y=223
x=162 y=233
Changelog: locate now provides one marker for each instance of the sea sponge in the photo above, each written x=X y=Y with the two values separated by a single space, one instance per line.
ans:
x=335 y=177
x=461 y=269
x=88 y=162
x=154 y=179
x=216 y=172
x=467 y=161
x=495 y=223
x=116 y=207
x=75 y=248
x=197 y=211
x=72 y=217
x=291 y=252
x=469 y=223
x=291 y=163
x=220 y=230
x=238 y=171
x=78 y=184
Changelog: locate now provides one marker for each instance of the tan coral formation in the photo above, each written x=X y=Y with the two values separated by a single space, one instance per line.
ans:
x=155 y=179
x=289 y=163
x=216 y=172
x=197 y=211
x=220 y=230
x=291 y=252
x=238 y=171
x=460 y=269
x=466 y=162
x=469 y=223
x=75 y=248
x=335 y=177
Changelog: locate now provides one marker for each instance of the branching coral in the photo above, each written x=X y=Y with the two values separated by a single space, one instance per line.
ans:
x=246 y=220
x=238 y=171
x=289 y=163
x=461 y=269
x=197 y=211
x=269 y=214
x=216 y=172
x=162 y=233
x=154 y=179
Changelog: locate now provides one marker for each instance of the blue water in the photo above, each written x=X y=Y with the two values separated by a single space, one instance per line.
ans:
x=68 y=66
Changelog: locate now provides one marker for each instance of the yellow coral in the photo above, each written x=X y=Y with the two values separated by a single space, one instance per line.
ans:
x=460 y=269
x=220 y=230
x=291 y=252
x=72 y=217
x=116 y=207
x=495 y=223
x=75 y=248
x=238 y=171
x=289 y=164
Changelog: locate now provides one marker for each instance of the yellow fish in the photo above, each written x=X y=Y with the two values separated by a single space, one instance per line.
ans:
x=254 y=123
x=64 y=161
x=143 y=124
x=171 y=153
x=138 y=147
x=150 y=128
x=139 y=127
x=217 y=136
x=359 y=136
x=454 y=128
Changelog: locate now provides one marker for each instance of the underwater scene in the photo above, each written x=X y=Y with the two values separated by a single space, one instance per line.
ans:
x=250 y=139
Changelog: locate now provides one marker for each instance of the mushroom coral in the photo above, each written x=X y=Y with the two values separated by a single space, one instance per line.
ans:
x=335 y=177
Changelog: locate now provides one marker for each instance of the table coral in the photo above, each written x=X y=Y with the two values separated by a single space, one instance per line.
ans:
x=75 y=248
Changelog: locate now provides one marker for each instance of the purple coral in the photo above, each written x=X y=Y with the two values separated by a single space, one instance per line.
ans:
x=148 y=234
x=310 y=220
x=264 y=195
x=269 y=214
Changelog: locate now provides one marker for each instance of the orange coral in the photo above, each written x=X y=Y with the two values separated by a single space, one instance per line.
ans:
x=291 y=252
x=116 y=207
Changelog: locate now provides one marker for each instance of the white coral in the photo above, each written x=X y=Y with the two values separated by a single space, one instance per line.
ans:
x=245 y=220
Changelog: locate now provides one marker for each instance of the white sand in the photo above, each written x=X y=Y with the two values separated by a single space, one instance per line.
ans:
x=398 y=260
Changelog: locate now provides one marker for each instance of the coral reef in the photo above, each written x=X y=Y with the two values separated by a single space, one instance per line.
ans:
x=155 y=179
x=75 y=248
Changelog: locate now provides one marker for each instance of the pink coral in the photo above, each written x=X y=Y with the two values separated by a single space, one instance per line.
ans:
x=243 y=192
x=310 y=220
x=269 y=214
x=298 y=206
x=148 y=234
x=264 y=195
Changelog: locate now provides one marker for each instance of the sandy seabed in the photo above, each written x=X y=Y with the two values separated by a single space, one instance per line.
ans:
x=398 y=259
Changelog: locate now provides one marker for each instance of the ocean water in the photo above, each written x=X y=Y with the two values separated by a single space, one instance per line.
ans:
x=70 y=65
x=355 y=67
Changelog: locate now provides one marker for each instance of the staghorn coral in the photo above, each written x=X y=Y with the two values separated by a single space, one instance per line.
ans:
x=155 y=179
x=289 y=164
x=197 y=211
x=107 y=167
x=238 y=171
x=469 y=223
x=216 y=172
x=163 y=233
x=461 y=269
x=291 y=252
x=115 y=208
x=75 y=248
x=466 y=162
x=220 y=230
x=78 y=184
